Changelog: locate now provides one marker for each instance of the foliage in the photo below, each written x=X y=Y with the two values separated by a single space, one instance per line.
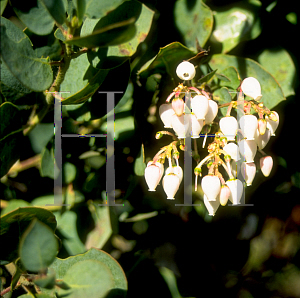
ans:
x=145 y=246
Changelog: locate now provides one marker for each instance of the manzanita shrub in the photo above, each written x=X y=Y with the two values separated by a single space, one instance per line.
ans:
x=218 y=110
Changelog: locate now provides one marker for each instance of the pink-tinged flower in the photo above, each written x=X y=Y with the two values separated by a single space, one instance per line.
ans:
x=224 y=194
x=236 y=188
x=196 y=126
x=186 y=71
x=153 y=174
x=248 y=172
x=262 y=126
x=251 y=87
x=170 y=185
x=211 y=206
x=177 y=170
x=178 y=106
x=199 y=105
x=211 y=186
x=229 y=127
x=266 y=164
x=262 y=140
x=248 y=125
x=272 y=122
x=248 y=149
x=232 y=149
x=166 y=112
x=181 y=125
x=212 y=112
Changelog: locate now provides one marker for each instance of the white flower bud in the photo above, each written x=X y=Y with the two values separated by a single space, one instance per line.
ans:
x=236 y=187
x=170 y=185
x=248 y=172
x=185 y=71
x=196 y=126
x=181 y=125
x=229 y=127
x=251 y=87
x=232 y=149
x=248 y=149
x=248 y=125
x=211 y=186
x=212 y=112
x=165 y=112
x=199 y=105
x=211 y=206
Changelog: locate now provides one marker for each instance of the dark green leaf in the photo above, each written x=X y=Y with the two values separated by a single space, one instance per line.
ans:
x=82 y=81
x=271 y=90
x=38 y=247
x=234 y=79
x=194 y=20
x=114 y=55
x=236 y=23
x=48 y=165
x=3 y=4
x=207 y=77
x=167 y=59
x=139 y=164
x=95 y=269
x=34 y=15
x=80 y=8
x=97 y=9
x=56 y=9
x=14 y=224
x=11 y=136
x=21 y=60
x=280 y=64
x=47 y=282
x=222 y=96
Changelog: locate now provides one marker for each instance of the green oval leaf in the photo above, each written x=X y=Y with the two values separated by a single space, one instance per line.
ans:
x=96 y=9
x=112 y=34
x=109 y=274
x=271 y=90
x=280 y=64
x=56 y=9
x=34 y=15
x=80 y=8
x=38 y=247
x=21 y=60
x=236 y=23
x=167 y=59
x=194 y=19
x=13 y=225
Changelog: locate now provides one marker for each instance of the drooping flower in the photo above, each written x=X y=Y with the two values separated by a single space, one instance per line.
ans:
x=170 y=185
x=272 y=122
x=196 y=126
x=211 y=112
x=248 y=172
x=185 y=71
x=153 y=174
x=177 y=170
x=181 y=125
x=178 y=106
x=251 y=87
x=166 y=112
x=232 y=149
x=224 y=195
x=266 y=165
x=248 y=149
x=211 y=206
x=199 y=105
x=211 y=186
x=236 y=189
x=262 y=140
x=248 y=125
x=229 y=127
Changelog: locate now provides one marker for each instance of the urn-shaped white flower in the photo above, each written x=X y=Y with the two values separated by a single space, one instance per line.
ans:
x=262 y=140
x=185 y=70
x=248 y=125
x=165 y=112
x=177 y=170
x=266 y=164
x=233 y=150
x=211 y=186
x=211 y=206
x=271 y=124
x=248 y=172
x=196 y=126
x=251 y=87
x=178 y=106
x=224 y=194
x=211 y=112
x=229 y=127
x=181 y=125
x=236 y=189
x=248 y=149
x=199 y=105
x=153 y=174
x=170 y=185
